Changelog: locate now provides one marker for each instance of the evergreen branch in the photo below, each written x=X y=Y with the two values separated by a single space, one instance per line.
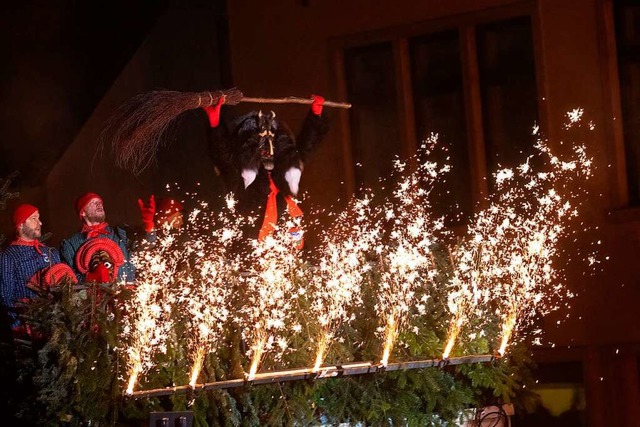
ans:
x=5 y=194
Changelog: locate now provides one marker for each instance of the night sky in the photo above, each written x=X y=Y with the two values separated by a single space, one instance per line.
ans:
x=59 y=58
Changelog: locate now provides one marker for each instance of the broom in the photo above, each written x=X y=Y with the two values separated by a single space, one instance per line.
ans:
x=136 y=128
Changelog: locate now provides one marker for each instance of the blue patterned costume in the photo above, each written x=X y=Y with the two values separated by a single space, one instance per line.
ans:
x=70 y=246
x=18 y=264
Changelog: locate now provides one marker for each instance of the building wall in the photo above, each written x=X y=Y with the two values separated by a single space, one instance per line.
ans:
x=181 y=54
x=295 y=60
x=574 y=71
x=287 y=47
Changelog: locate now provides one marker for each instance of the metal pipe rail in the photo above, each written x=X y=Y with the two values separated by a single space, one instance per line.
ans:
x=336 y=371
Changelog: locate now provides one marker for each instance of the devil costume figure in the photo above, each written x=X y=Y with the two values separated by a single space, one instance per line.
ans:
x=261 y=161
x=77 y=250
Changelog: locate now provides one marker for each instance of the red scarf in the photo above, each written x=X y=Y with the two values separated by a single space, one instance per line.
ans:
x=271 y=212
x=95 y=230
x=35 y=244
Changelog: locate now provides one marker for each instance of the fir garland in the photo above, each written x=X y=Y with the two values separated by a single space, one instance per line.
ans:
x=78 y=373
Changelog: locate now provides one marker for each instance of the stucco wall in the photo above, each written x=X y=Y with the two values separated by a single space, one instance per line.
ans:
x=181 y=54
x=282 y=48
x=294 y=59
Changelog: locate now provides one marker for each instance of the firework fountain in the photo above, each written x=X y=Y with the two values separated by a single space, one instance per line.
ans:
x=503 y=265
x=521 y=266
x=508 y=257
x=513 y=243
x=336 y=283
x=407 y=261
x=270 y=293
x=206 y=292
x=147 y=320
x=189 y=281
x=466 y=289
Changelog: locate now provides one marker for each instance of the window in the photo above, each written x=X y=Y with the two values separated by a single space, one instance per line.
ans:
x=471 y=80
x=508 y=85
x=374 y=123
x=627 y=24
x=562 y=397
x=438 y=97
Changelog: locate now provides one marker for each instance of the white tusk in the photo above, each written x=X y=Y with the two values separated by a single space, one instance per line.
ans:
x=248 y=176
x=292 y=176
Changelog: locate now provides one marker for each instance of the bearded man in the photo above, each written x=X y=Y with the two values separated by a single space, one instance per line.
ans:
x=23 y=259
x=90 y=209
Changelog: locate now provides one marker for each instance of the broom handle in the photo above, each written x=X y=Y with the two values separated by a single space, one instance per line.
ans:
x=293 y=100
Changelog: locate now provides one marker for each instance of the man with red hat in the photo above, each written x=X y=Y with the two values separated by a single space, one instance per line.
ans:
x=90 y=209
x=24 y=258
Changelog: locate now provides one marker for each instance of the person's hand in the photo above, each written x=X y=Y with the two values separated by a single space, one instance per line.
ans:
x=147 y=213
x=316 y=105
x=213 y=112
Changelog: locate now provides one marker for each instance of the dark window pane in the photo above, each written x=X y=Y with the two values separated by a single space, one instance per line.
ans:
x=562 y=397
x=508 y=90
x=438 y=96
x=627 y=24
x=375 y=130
x=638 y=368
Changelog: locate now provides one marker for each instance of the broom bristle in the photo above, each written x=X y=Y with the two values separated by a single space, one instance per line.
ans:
x=136 y=128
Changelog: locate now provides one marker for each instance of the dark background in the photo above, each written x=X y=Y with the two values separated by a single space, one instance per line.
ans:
x=58 y=59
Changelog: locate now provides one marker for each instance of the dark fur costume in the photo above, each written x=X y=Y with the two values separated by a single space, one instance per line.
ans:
x=243 y=144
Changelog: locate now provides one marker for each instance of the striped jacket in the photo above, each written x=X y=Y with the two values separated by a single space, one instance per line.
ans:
x=18 y=264
x=70 y=246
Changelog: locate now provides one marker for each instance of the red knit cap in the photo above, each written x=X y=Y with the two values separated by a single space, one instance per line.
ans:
x=91 y=246
x=56 y=274
x=22 y=213
x=83 y=201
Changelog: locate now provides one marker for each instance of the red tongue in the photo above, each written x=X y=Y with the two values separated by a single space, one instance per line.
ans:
x=267 y=163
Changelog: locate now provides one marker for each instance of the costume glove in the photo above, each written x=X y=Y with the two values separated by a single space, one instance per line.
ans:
x=316 y=105
x=213 y=112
